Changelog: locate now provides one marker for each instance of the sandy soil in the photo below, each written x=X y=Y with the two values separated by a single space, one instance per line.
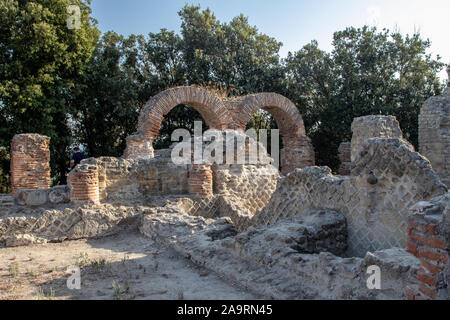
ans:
x=125 y=266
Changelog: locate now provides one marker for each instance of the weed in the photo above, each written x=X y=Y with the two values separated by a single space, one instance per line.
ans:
x=43 y=296
x=99 y=264
x=83 y=259
x=127 y=287
x=31 y=273
x=116 y=288
x=14 y=269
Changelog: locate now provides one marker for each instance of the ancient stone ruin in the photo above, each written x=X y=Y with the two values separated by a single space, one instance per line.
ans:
x=302 y=233
x=434 y=134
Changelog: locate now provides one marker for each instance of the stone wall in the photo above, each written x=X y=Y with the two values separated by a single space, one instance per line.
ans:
x=288 y=260
x=249 y=185
x=200 y=181
x=30 y=162
x=345 y=158
x=434 y=134
x=373 y=126
x=87 y=221
x=139 y=146
x=6 y=202
x=429 y=240
x=133 y=180
x=296 y=153
x=376 y=213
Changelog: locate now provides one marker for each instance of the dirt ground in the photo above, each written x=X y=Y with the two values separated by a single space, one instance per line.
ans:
x=124 y=266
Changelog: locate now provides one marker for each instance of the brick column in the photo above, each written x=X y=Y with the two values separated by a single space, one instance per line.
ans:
x=297 y=152
x=200 y=180
x=30 y=162
x=83 y=184
x=139 y=147
x=427 y=235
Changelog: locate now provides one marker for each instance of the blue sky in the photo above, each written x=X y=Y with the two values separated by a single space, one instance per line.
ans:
x=293 y=22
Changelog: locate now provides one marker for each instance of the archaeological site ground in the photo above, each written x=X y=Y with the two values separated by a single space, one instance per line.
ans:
x=142 y=227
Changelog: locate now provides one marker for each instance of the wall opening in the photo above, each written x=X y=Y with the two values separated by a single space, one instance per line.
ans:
x=179 y=117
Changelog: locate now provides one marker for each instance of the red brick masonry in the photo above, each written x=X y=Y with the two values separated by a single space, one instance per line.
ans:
x=83 y=184
x=426 y=240
x=30 y=162
x=200 y=180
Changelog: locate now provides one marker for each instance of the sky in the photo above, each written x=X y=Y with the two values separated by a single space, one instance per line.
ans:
x=293 y=22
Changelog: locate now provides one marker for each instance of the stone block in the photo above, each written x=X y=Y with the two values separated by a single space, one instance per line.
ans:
x=32 y=197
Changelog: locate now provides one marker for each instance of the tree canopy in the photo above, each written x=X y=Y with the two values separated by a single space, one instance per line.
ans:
x=80 y=87
x=367 y=72
x=40 y=61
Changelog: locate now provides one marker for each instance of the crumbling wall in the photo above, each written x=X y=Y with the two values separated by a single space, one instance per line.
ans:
x=88 y=221
x=30 y=162
x=287 y=260
x=387 y=178
x=251 y=185
x=121 y=179
x=429 y=240
x=373 y=126
x=83 y=183
x=434 y=134
x=139 y=146
x=200 y=181
x=296 y=153
x=225 y=114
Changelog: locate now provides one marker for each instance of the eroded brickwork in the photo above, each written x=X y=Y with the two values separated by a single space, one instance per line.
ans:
x=434 y=134
x=83 y=183
x=30 y=162
x=139 y=146
x=200 y=180
x=428 y=240
x=374 y=126
x=225 y=114
x=131 y=180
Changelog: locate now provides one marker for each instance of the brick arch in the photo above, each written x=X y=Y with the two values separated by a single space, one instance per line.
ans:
x=211 y=108
x=298 y=151
x=225 y=114
x=284 y=111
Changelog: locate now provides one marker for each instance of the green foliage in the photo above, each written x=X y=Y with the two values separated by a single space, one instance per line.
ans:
x=105 y=100
x=78 y=88
x=5 y=185
x=368 y=72
x=125 y=72
x=233 y=56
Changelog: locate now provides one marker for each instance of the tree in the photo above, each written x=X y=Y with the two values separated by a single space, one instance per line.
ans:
x=448 y=75
x=368 y=72
x=40 y=58
x=233 y=56
x=106 y=98
x=231 y=59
